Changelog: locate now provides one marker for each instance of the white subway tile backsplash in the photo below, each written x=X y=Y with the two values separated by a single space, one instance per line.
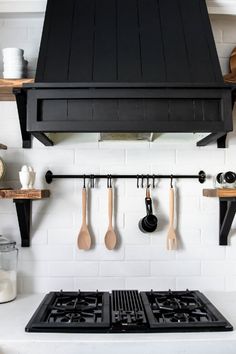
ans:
x=201 y=156
x=47 y=253
x=101 y=156
x=33 y=269
x=230 y=157
x=150 y=252
x=39 y=236
x=124 y=269
x=52 y=220
x=230 y=283
x=62 y=236
x=175 y=268
x=148 y=283
x=204 y=253
x=73 y=269
x=218 y=268
x=99 y=283
x=141 y=260
x=201 y=283
x=225 y=49
x=100 y=253
x=50 y=156
x=224 y=63
x=46 y=284
x=7 y=221
x=150 y=156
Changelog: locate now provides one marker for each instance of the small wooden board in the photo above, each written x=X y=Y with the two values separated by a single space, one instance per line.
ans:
x=220 y=193
x=6 y=87
x=3 y=147
x=24 y=194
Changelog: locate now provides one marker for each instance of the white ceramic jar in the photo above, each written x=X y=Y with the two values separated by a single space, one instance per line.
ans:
x=8 y=270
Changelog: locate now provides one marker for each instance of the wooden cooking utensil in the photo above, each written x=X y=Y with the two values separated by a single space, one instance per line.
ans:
x=84 y=238
x=171 y=236
x=110 y=237
x=231 y=77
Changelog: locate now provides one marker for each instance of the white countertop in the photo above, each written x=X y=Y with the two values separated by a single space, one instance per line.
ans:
x=14 y=340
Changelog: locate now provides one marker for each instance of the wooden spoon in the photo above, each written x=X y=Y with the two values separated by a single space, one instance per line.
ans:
x=110 y=237
x=171 y=236
x=231 y=77
x=84 y=238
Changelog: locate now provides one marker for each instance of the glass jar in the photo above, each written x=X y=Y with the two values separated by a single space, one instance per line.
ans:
x=226 y=180
x=8 y=270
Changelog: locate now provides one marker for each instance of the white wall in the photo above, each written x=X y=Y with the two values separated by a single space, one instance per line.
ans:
x=142 y=261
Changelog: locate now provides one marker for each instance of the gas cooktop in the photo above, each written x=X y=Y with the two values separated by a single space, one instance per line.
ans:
x=127 y=311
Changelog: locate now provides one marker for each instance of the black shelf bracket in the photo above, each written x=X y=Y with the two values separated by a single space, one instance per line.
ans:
x=227 y=213
x=43 y=139
x=220 y=138
x=21 y=101
x=23 y=209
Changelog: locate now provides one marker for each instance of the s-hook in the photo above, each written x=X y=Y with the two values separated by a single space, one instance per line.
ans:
x=109 y=181
x=148 y=185
x=92 y=181
x=171 y=181
x=153 y=181
x=142 y=179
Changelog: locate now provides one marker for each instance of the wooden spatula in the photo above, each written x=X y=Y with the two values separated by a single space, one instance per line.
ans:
x=110 y=237
x=171 y=236
x=84 y=238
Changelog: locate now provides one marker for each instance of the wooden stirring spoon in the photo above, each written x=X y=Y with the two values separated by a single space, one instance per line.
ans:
x=110 y=237
x=171 y=236
x=84 y=238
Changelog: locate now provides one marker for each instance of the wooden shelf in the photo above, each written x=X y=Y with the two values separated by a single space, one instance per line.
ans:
x=23 y=201
x=6 y=87
x=227 y=206
x=33 y=194
x=220 y=193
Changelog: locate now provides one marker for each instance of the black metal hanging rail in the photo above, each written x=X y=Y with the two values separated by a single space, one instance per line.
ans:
x=201 y=176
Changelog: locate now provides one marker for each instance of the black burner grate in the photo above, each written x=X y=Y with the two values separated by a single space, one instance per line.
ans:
x=182 y=311
x=72 y=312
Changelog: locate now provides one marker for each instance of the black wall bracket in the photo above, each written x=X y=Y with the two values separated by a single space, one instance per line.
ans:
x=227 y=213
x=21 y=101
x=219 y=138
x=23 y=209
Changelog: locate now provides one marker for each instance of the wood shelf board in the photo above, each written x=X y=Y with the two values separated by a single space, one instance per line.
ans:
x=22 y=6
x=32 y=194
x=220 y=193
x=6 y=87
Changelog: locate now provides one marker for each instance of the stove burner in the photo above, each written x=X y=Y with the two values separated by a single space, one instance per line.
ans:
x=177 y=309
x=127 y=311
x=73 y=317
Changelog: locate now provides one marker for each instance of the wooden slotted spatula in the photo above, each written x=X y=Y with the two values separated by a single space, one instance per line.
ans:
x=84 y=238
x=171 y=236
x=110 y=237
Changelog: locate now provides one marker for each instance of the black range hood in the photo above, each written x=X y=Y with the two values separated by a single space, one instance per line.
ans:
x=126 y=66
